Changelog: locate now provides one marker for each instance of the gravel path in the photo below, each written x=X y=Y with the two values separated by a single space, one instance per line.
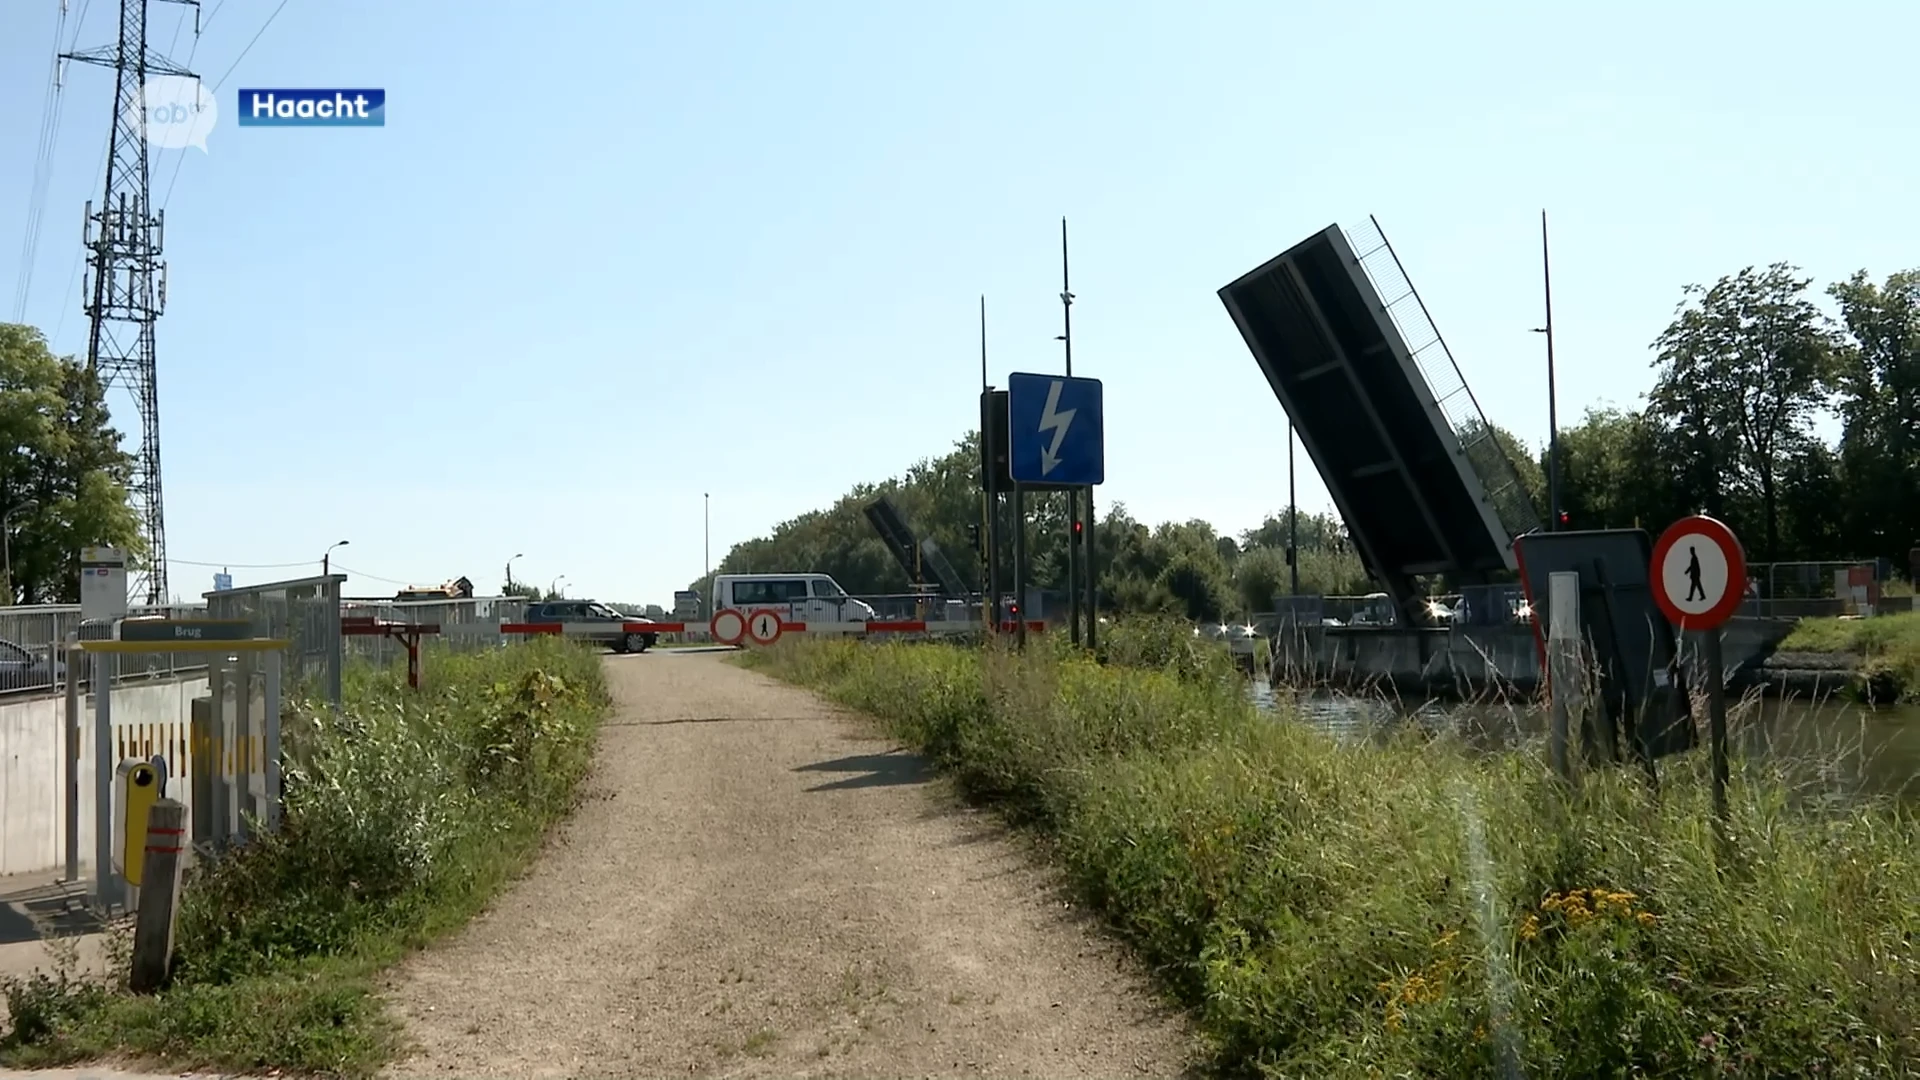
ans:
x=755 y=887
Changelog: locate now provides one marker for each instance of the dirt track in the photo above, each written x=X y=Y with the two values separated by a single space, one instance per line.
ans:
x=756 y=886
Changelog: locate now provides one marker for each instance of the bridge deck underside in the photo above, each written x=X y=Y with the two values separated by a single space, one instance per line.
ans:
x=1365 y=415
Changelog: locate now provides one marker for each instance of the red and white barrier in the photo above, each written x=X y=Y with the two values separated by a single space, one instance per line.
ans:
x=760 y=626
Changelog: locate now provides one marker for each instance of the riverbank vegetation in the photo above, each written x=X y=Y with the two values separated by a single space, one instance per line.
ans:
x=408 y=812
x=1740 y=376
x=1888 y=648
x=1410 y=909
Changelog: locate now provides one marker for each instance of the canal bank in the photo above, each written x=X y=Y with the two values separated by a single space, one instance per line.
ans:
x=1467 y=663
x=1328 y=907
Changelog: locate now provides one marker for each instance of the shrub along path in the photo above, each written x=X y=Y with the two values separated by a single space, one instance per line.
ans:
x=757 y=886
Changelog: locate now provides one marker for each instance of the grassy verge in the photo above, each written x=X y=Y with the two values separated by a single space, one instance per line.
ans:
x=405 y=814
x=1888 y=647
x=1333 y=909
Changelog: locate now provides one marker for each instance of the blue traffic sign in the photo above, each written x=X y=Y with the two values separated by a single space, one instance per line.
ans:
x=1056 y=433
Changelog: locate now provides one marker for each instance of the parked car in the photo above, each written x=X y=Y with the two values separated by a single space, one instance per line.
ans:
x=590 y=613
x=23 y=669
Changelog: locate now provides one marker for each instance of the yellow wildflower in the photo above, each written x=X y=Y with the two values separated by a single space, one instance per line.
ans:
x=1647 y=918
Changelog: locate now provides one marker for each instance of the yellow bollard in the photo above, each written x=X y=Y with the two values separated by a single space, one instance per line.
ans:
x=139 y=791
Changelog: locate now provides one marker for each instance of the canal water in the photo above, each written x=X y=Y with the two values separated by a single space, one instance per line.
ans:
x=1831 y=747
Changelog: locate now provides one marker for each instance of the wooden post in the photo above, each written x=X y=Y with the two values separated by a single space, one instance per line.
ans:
x=1565 y=680
x=159 y=897
x=1716 y=719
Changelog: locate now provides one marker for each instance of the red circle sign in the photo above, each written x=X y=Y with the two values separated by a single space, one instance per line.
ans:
x=764 y=627
x=1699 y=573
x=727 y=626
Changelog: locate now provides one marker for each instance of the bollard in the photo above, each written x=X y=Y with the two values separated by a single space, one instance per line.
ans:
x=159 y=898
x=1564 y=675
x=139 y=790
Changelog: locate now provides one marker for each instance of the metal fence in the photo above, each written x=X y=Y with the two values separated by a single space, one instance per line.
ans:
x=40 y=629
x=464 y=623
x=306 y=613
x=1498 y=476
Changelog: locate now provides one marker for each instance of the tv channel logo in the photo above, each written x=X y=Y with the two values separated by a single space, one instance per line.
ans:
x=176 y=111
x=313 y=108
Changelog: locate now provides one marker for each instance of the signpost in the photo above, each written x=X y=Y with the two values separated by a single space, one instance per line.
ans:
x=1699 y=573
x=1055 y=431
x=1056 y=439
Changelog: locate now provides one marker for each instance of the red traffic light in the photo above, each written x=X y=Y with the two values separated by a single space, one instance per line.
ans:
x=1563 y=517
x=1077 y=527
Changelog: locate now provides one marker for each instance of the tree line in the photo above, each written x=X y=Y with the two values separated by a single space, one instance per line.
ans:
x=1741 y=375
x=63 y=475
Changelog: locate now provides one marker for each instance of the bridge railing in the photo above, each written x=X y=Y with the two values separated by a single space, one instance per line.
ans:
x=1497 y=473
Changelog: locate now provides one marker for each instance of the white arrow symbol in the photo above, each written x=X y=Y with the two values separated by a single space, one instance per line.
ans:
x=1058 y=420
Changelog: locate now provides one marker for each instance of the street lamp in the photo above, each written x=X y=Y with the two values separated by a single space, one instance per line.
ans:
x=6 y=544
x=326 y=557
x=553 y=587
x=517 y=555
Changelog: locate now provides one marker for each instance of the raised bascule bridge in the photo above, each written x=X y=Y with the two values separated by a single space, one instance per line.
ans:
x=1382 y=410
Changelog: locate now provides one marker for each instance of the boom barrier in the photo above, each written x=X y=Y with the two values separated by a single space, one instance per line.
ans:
x=755 y=626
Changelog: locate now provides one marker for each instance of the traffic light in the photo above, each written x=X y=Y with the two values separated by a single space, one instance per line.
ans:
x=1563 y=517
x=973 y=537
x=1079 y=527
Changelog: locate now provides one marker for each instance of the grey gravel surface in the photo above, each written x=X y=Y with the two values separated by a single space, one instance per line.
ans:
x=759 y=886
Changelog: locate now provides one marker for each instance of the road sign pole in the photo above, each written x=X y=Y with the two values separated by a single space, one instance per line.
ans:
x=1699 y=574
x=1020 y=564
x=1091 y=569
x=1073 y=566
x=1716 y=719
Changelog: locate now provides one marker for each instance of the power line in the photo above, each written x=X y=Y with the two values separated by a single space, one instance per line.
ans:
x=245 y=566
x=167 y=198
x=43 y=156
x=370 y=577
x=250 y=44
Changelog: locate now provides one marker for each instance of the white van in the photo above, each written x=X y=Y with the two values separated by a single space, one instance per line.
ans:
x=809 y=597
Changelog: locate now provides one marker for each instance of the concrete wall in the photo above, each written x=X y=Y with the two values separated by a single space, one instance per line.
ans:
x=1461 y=660
x=148 y=718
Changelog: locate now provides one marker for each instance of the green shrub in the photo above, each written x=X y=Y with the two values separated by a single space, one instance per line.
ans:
x=1412 y=908
x=403 y=812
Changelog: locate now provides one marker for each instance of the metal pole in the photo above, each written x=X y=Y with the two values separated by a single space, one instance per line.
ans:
x=1293 y=527
x=1092 y=574
x=1716 y=720
x=270 y=738
x=74 y=661
x=1073 y=494
x=706 y=531
x=990 y=485
x=1020 y=563
x=104 y=890
x=1553 y=417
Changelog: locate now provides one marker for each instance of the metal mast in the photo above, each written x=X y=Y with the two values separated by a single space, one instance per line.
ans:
x=127 y=286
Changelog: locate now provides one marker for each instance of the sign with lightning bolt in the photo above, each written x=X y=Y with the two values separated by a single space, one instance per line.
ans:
x=1056 y=431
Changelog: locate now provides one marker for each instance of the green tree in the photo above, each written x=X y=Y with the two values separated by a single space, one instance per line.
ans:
x=63 y=475
x=1876 y=380
x=1741 y=371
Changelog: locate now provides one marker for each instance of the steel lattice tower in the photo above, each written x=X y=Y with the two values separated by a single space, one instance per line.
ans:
x=127 y=286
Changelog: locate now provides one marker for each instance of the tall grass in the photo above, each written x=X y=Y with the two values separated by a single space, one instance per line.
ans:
x=1413 y=909
x=404 y=813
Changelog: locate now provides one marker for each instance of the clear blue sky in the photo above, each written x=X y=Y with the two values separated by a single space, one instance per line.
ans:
x=606 y=256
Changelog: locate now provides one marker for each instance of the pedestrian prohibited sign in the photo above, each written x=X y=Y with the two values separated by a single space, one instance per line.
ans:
x=1699 y=573
x=764 y=627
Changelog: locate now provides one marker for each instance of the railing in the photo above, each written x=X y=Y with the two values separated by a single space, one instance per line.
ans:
x=41 y=630
x=1498 y=477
